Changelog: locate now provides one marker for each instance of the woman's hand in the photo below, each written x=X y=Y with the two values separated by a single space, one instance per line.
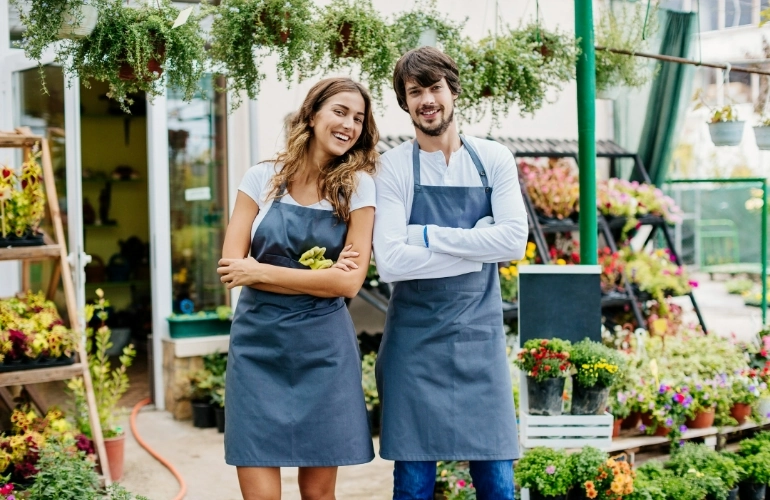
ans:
x=344 y=262
x=240 y=272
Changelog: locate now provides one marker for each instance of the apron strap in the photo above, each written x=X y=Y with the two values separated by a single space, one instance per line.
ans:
x=281 y=192
x=472 y=152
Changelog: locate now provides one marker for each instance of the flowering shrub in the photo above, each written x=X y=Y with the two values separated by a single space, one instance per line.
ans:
x=455 y=481
x=545 y=470
x=631 y=199
x=22 y=199
x=657 y=274
x=542 y=359
x=747 y=387
x=615 y=479
x=554 y=189
x=595 y=364
x=611 y=278
x=509 y=282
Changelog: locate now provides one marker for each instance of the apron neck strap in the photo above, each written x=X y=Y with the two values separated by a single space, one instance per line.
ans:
x=281 y=192
x=472 y=152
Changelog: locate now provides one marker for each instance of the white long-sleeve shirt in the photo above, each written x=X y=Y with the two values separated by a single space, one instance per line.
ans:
x=452 y=251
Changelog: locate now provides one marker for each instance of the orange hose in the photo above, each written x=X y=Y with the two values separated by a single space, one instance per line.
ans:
x=155 y=454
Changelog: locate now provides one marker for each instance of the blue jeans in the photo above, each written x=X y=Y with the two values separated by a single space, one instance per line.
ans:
x=493 y=480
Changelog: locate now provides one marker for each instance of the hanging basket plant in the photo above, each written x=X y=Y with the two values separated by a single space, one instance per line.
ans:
x=356 y=35
x=245 y=31
x=425 y=25
x=762 y=134
x=131 y=48
x=724 y=127
x=630 y=28
x=517 y=68
x=47 y=21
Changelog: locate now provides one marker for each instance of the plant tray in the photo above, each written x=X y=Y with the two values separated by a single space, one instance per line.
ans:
x=181 y=327
x=25 y=241
x=29 y=364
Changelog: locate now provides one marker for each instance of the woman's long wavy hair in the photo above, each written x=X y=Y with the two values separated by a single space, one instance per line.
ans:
x=338 y=180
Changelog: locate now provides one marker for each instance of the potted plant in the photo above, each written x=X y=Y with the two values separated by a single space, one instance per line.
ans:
x=724 y=127
x=547 y=364
x=546 y=472
x=355 y=33
x=762 y=133
x=700 y=459
x=702 y=411
x=628 y=30
x=553 y=189
x=672 y=402
x=585 y=465
x=596 y=368
x=425 y=25
x=746 y=389
x=130 y=49
x=200 y=324
x=218 y=401
x=109 y=385
x=755 y=475
x=22 y=203
x=369 y=384
x=244 y=32
x=203 y=386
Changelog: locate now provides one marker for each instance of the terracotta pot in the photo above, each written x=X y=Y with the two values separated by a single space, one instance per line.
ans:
x=740 y=412
x=631 y=421
x=616 y=426
x=127 y=72
x=662 y=431
x=345 y=46
x=646 y=418
x=274 y=27
x=116 y=447
x=703 y=420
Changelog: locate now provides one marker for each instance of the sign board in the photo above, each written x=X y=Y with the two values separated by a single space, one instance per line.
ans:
x=559 y=302
x=197 y=194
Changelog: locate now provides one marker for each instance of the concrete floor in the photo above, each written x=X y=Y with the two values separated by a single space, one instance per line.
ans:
x=198 y=454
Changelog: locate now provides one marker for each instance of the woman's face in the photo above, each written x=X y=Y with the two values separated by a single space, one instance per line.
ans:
x=338 y=124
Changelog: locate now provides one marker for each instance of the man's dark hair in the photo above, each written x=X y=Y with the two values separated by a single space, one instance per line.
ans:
x=426 y=66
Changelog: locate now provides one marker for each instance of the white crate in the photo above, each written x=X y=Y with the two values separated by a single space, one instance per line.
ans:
x=565 y=431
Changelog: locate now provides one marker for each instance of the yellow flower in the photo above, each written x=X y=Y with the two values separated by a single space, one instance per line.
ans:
x=514 y=271
x=505 y=271
x=530 y=252
x=561 y=262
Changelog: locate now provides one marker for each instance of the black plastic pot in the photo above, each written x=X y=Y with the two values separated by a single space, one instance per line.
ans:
x=731 y=495
x=536 y=495
x=545 y=398
x=203 y=414
x=751 y=491
x=589 y=400
x=219 y=416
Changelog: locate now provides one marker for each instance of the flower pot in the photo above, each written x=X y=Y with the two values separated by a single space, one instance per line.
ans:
x=545 y=398
x=275 y=28
x=345 y=46
x=751 y=491
x=80 y=23
x=154 y=65
x=617 y=424
x=762 y=135
x=726 y=133
x=703 y=420
x=631 y=421
x=589 y=400
x=115 y=448
x=219 y=416
x=609 y=94
x=646 y=418
x=764 y=407
x=740 y=412
x=662 y=431
x=182 y=326
x=203 y=415
x=536 y=495
x=28 y=239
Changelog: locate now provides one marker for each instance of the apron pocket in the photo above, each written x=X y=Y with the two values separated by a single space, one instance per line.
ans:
x=280 y=260
x=471 y=282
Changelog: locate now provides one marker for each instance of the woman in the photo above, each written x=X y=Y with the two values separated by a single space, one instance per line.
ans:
x=294 y=395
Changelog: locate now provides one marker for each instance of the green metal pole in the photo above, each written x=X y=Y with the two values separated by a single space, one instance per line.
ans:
x=763 y=252
x=586 y=106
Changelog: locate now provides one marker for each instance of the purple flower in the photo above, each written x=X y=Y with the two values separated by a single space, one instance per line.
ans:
x=681 y=442
x=666 y=407
x=698 y=387
x=550 y=469
x=669 y=422
x=642 y=427
x=640 y=397
x=682 y=428
x=752 y=388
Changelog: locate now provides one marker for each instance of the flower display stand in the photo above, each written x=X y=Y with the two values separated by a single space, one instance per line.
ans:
x=55 y=250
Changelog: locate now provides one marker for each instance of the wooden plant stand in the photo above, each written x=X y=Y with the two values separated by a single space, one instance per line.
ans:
x=55 y=250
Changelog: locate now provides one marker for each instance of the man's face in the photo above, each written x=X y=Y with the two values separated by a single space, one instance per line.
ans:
x=431 y=108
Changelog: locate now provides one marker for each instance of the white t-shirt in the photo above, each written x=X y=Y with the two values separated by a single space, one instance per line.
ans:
x=257 y=184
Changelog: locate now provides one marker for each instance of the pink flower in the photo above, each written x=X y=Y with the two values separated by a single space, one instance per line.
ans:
x=461 y=483
x=693 y=283
x=550 y=469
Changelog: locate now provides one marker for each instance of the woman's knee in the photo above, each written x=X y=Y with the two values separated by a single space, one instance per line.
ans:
x=317 y=483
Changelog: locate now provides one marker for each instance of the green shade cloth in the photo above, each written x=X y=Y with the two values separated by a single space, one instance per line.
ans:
x=669 y=97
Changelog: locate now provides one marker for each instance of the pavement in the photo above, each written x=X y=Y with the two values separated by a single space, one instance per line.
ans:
x=199 y=453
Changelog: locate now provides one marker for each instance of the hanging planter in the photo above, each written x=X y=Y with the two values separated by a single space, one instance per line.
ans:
x=426 y=26
x=728 y=133
x=244 y=32
x=78 y=22
x=762 y=135
x=131 y=48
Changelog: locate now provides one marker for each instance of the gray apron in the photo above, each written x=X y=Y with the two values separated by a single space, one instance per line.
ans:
x=442 y=370
x=293 y=392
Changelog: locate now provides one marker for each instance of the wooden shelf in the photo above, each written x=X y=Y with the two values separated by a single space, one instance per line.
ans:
x=41 y=252
x=38 y=375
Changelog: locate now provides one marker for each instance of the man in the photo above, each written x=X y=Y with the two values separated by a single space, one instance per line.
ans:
x=448 y=209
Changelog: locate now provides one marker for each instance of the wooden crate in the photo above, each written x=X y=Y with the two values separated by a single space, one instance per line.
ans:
x=565 y=431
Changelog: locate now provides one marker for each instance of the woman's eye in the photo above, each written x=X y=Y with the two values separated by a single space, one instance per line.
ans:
x=338 y=111
x=359 y=120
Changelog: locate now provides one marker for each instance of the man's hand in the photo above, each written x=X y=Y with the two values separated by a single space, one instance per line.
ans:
x=240 y=272
x=487 y=221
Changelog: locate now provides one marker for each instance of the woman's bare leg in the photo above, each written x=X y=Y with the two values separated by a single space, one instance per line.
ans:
x=260 y=483
x=317 y=483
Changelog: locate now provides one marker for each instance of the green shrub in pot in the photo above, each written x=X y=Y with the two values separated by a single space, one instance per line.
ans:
x=544 y=470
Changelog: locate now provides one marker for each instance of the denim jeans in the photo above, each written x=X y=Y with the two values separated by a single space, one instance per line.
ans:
x=493 y=480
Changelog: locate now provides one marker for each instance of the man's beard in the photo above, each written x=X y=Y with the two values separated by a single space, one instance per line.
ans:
x=437 y=129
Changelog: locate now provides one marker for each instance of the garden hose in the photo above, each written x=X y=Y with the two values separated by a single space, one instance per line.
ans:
x=155 y=454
